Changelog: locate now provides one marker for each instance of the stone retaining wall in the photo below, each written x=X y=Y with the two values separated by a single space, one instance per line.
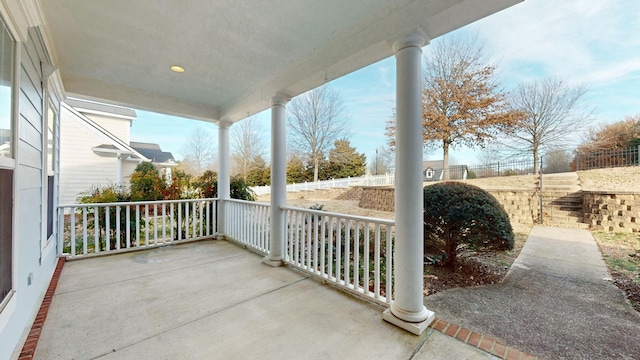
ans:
x=522 y=206
x=612 y=211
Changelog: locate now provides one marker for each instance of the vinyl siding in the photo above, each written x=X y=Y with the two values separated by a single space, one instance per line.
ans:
x=80 y=168
x=119 y=127
x=32 y=267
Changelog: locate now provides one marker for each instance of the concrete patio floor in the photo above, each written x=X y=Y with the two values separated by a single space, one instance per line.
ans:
x=214 y=300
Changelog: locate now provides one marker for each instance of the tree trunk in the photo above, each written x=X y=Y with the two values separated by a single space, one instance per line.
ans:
x=445 y=161
x=451 y=247
x=316 y=165
x=536 y=164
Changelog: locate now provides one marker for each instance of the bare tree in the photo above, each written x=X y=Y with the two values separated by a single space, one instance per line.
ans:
x=247 y=144
x=461 y=100
x=316 y=120
x=557 y=161
x=382 y=162
x=553 y=113
x=199 y=152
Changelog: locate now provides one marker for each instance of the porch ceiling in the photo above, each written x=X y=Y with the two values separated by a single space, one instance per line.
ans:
x=237 y=53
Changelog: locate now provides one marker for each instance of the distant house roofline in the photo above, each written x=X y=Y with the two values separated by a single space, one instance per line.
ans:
x=90 y=107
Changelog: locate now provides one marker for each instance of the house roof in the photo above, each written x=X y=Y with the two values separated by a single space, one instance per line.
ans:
x=112 y=144
x=236 y=54
x=101 y=108
x=438 y=165
x=153 y=152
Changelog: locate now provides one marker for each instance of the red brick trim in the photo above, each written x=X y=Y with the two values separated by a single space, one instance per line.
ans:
x=484 y=343
x=29 y=348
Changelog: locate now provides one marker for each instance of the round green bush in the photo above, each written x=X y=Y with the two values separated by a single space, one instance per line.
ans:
x=458 y=216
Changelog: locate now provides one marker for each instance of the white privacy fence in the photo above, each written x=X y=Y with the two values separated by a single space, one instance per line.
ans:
x=352 y=252
x=248 y=223
x=372 y=180
x=89 y=229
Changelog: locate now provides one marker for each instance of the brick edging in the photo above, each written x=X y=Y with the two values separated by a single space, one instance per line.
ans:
x=484 y=343
x=29 y=348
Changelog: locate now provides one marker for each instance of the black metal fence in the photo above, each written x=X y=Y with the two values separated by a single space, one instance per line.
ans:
x=609 y=158
x=505 y=168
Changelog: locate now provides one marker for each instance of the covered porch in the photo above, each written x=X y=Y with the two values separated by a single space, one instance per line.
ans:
x=212 y=299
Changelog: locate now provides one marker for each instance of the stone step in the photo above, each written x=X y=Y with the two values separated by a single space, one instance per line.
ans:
x=563 y=211
x=567 y=225
x=561 y=188
x=567 y=175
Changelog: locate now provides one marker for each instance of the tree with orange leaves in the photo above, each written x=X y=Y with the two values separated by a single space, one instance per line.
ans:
x=462 y=103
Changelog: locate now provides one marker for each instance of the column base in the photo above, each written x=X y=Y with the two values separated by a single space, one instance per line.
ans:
x=272 y=262
x=414 y=328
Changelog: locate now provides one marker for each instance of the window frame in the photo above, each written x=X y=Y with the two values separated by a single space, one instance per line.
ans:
x=8 y=302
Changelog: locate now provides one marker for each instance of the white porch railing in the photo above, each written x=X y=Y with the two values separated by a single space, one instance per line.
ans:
x=372 y=180
x=90 y=229
x=248 y=224
x=352 y=252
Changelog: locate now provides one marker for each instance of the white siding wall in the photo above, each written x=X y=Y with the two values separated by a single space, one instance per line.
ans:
x=80 y=168
x=119 y=127
x=32 y=268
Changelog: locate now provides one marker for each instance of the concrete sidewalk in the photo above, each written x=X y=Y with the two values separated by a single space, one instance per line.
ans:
x=555 y=302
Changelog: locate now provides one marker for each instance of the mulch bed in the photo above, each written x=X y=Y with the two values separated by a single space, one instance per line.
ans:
x=469 y=271
x=630 y=287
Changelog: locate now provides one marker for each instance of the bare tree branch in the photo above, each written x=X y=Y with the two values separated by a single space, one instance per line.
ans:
x=554 y=114
x=247 y=145
x=316 y=120
x=199 y=152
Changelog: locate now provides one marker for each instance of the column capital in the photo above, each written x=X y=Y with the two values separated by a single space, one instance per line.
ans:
x=416 y=38
x=224 y=124
x=280 y=100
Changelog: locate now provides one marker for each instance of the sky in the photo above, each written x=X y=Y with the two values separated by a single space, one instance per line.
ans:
x=595 y=43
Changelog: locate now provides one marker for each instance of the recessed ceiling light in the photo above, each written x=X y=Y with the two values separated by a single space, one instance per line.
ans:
x=178 y=69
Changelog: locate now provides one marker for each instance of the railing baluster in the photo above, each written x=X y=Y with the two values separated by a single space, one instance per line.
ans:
x=323 y=245
x=376 y=264
x=186 y=220
x=389 y=258
x=347 y=253
x=107 y=228
x=309 y=240
x=315 y=243
x=146 y=224
x=72 y=239
x=128 y=225
x=164 y=222
x=338 y=249
x=179 y=227
x=155 y=224
x=117 y=227
x=138 y=225
x=208 y=205
x=171 y=221
x=366 y=267
x=194 y=219
x=200 y=214
x=330 y=255
x=96 y=230
x=85 y=226
x=356 y=256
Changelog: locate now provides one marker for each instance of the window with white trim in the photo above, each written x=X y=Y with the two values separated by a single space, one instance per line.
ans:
x=7 y=84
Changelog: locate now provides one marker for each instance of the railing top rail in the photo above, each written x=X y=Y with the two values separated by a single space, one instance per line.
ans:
x=133 y=203
x=343 y=216
x=246 y=202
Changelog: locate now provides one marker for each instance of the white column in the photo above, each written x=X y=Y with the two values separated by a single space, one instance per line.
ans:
x=278 y=180
x=223 y=174
x=118 y=169
x=407 y=310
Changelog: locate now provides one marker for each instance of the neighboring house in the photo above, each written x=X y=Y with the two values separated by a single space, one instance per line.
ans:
x=95 y=148
x=433 y=170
